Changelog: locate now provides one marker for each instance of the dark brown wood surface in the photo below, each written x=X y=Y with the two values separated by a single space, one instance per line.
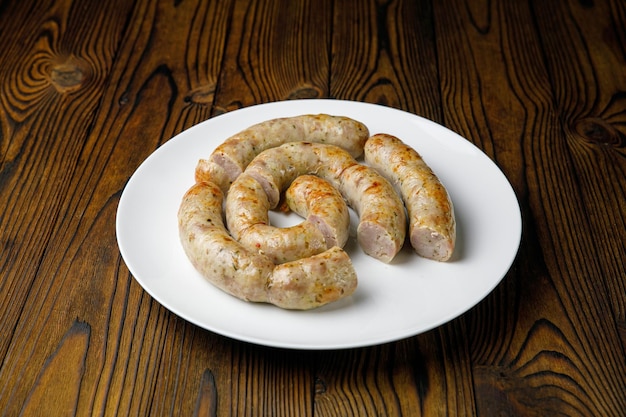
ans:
x=88 y=89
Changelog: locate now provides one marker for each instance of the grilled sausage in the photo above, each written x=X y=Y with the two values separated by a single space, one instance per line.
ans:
x=213 y=252
x=303 y=284
x=231 y=157
x=311 y=282
x=382 y=218
x=322 y=205
x=248 y=221
x=432 y=226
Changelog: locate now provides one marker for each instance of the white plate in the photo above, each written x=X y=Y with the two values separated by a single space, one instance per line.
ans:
x=394 y=301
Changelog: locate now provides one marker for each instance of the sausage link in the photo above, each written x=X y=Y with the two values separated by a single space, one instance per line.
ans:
x=313 y=281
x=246 y=204
x=321 y=204
x=432 y=225
x=276 y=168
x=213 y=252
x=231 y=157
x=382 y=218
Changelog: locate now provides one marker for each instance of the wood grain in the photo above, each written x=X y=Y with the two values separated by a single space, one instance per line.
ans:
x=89 y=89
x=276 y=51
x=560 y=301
x=383 y=52
x=51 y=89
x=594 y=136
x=147 y=101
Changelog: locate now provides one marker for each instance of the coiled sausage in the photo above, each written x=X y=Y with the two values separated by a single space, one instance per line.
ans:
x=248 y=221
x=382 y=217
x=231 y=157
x=303 y=284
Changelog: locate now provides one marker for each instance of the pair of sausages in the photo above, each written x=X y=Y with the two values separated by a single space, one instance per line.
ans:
x=304 y=266
x=382 y=220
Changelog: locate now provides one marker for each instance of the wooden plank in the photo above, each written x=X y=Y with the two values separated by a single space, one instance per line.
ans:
x=51 y=90
x=166 y=76
x=41 y=74
x=591 y=106
x=426 y=375
x=384 y=52
x=273 y=56
x=144 y=80
x=561 y=331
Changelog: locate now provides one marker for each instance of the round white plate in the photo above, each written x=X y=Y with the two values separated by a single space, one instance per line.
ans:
x=409 y=296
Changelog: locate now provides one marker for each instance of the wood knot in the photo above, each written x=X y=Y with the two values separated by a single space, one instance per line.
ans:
x=320 y=386
x=304 y=92
x=202 y=95
x=66 y=77
x=597 y=131
x=222 y=109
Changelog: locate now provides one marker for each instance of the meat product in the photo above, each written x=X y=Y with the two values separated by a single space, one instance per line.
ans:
x=231 y=157
x=432 y=225
x=249 y=275
x=382 y=218
x=321 y=204
x=314 y=281
x=212 y=250
x=248 y=221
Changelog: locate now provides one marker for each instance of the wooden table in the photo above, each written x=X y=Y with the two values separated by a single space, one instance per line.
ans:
x=89 y=89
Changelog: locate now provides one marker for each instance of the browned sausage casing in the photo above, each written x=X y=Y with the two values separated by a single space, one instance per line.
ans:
x=249 y=275
x=213 y=252
x=432 y=225
x=231 y=157
x=382 y=218
x=248 y=221
x=322 y=205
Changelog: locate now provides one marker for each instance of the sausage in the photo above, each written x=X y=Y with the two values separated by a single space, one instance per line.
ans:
x=209 y=171
x=276 y=168
x=212 y=250
x=314 y=281
x=382 y=218
x=248 y=221
x=303 y=284
x=322 y=205
x=231 y=157
x=432 y=225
